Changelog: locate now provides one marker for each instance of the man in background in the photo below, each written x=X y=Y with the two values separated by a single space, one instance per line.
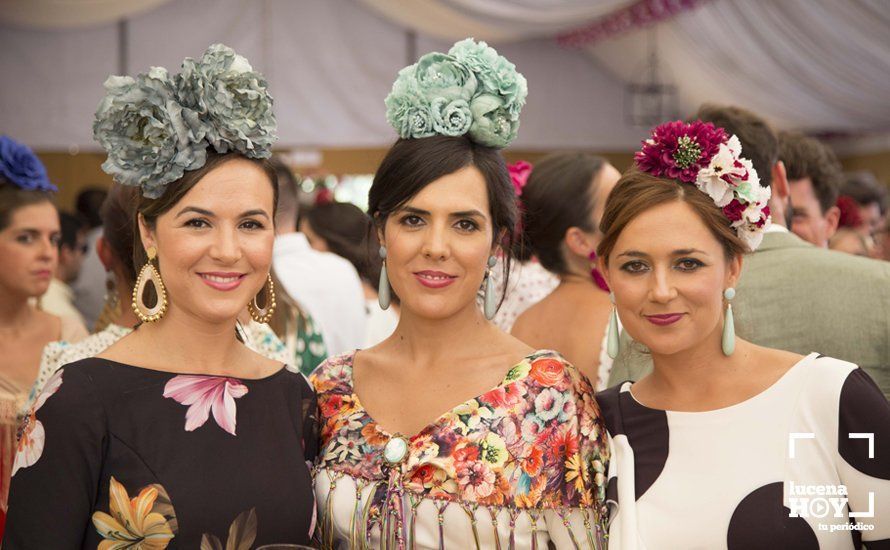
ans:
x=324 y=284
x=89 y=288
x=814 y=178
x=59 y=298
x=871 y=196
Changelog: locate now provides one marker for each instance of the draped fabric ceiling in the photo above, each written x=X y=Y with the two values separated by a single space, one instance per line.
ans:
x=818 y=65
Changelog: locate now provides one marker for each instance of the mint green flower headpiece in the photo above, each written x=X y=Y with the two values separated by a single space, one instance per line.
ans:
x=155 y=127
x=470 y=90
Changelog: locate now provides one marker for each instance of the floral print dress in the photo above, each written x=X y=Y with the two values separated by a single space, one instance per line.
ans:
x=519 y=466
x=114 y=456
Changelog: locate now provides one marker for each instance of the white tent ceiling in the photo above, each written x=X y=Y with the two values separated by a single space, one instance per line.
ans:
x=811 y=64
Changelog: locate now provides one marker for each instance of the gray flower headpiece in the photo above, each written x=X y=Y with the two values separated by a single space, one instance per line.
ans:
x=155 y=127
x=470 y=90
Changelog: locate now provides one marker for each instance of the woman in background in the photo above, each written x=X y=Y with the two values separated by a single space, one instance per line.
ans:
x=345 y=230
x=29 y=248
x=563 y=202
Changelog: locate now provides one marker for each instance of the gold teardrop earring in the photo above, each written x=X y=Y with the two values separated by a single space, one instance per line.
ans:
x=149 y=274
x=262 y=306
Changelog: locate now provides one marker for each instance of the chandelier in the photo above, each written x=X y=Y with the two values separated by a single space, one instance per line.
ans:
x=651 y=100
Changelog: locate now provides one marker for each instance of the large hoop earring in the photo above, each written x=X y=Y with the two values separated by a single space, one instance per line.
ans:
x=266 y=295
x=148 y=274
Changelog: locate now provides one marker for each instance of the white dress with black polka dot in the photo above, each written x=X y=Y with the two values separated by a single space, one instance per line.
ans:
x=805 y=464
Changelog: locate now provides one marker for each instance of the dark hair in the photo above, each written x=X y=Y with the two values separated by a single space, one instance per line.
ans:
x=152 y=208
x=89 y=203
x=638 y=191
x=70 y=226
x=288 y=194
x=346 y=229
x=412 y=164
x=118 y=227
x=759 y=143
x=557 y=197
x=864 y=188
x=806 y=157
x=13 y=197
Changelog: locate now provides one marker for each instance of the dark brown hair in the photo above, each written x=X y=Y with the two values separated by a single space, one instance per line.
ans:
x=864 y=188
x=637 y=192
x=118 y=226
x=759 y=143
x=412 y=164
x=346 y=229
x=12 y=198
x=558 y=196
x=806 y=157
x=152 y=208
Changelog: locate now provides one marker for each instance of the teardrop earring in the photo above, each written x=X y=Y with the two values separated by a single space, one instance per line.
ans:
x=262 y=306
x=489 y=301
x=383 y=293
x=612 y=342
x=728 y=340
x=148 y=274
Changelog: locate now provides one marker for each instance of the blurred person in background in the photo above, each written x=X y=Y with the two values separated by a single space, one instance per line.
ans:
x=529 y=281
x=849 y=237
x=563 y=203
x=871 y=196
x=29 y=246
x=345 y=230
x=326 y=286
x=89 y=288
x=73 y=247
x=814 y=178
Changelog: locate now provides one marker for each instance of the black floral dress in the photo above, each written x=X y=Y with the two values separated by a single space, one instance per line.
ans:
x=116 y=456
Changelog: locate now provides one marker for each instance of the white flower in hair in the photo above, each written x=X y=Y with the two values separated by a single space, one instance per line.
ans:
x=724 y=173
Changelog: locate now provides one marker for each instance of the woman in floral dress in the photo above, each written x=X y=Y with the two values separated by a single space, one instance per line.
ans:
x=452 y=433
x=178 y=435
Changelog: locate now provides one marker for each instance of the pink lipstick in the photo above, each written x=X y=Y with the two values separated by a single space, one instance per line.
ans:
x=221 y=280
x=434 y=279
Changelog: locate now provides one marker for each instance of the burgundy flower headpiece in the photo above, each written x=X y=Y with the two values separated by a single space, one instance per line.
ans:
x=704 y=155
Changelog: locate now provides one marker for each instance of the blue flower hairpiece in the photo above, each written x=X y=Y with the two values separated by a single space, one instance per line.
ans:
x=470 y=90
x=155 y=127
x=21 y=167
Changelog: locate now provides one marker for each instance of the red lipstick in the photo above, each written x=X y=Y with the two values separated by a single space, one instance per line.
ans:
x=664 y=319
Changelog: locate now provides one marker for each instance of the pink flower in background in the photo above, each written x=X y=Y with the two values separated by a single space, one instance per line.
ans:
x=203 y=394
x=519 y=173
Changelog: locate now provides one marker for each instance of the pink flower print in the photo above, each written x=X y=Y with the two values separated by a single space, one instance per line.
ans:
x=476 y=479
x=31 y=436
x=203 y=394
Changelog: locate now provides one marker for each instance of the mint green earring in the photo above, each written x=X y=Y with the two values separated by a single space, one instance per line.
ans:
x=383 y=292
x=612 y=342
x=489 y=305
x=728 y=341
